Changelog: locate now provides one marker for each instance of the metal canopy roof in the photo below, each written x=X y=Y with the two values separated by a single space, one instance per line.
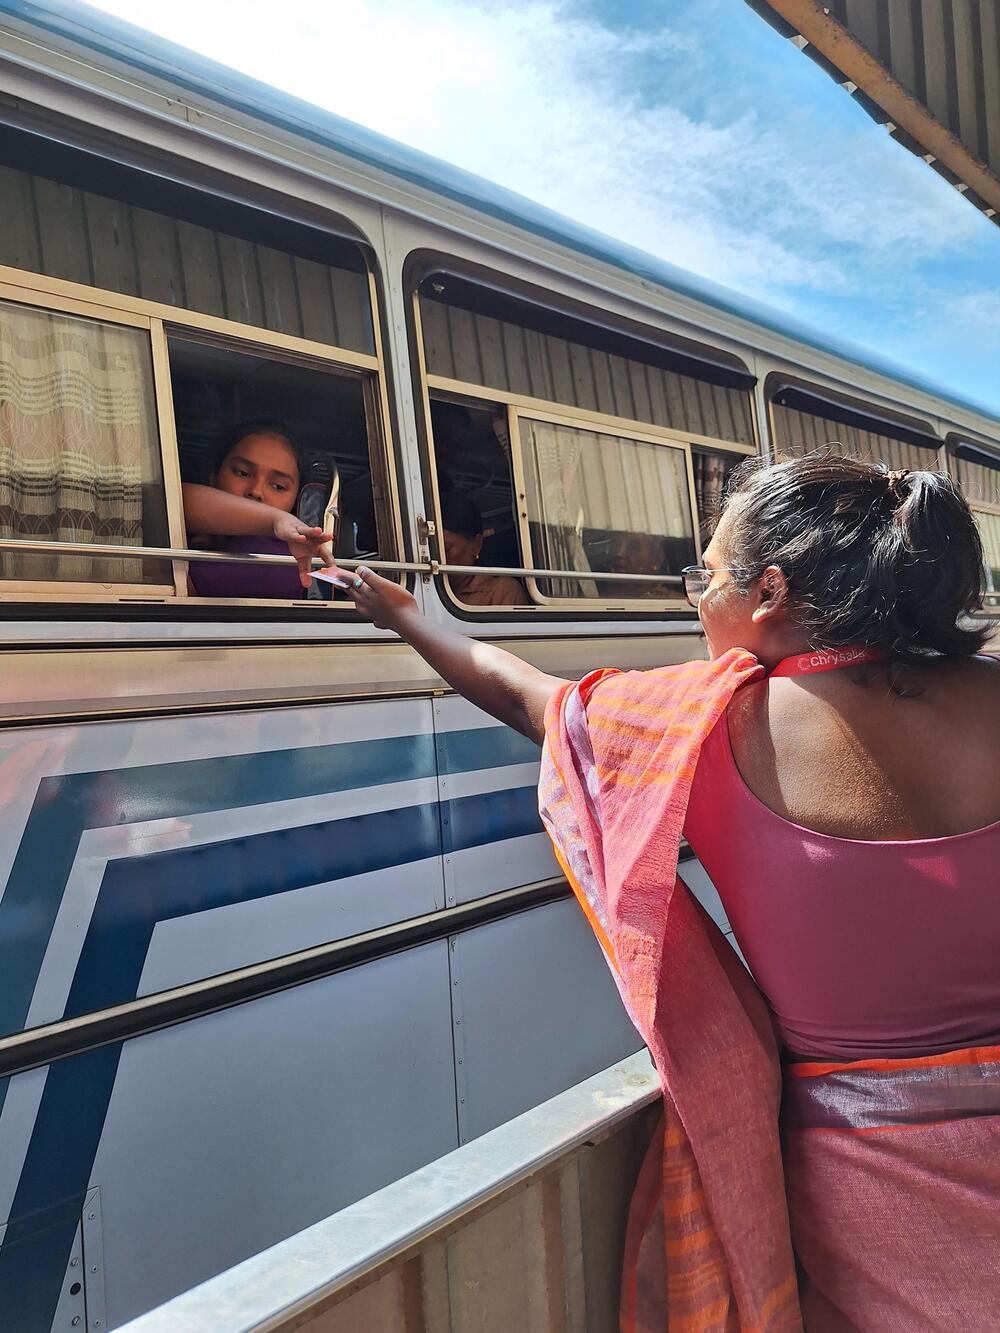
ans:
x=929 y=70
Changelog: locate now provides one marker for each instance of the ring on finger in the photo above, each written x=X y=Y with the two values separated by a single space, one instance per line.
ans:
x=359 y=582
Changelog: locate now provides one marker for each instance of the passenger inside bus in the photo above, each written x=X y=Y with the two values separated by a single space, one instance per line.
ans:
x=248 y=509
x=641 y=553
x=472 y=451
x=463 y=542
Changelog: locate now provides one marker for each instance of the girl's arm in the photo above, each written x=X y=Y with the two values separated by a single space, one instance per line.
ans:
x=212 y=513
x=494 y=680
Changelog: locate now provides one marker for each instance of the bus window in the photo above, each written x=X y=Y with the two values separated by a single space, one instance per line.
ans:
x=618 y=434
x=600 y=502
x=712 y=470
x=976 y=469
x=235 y=406
x=475 y=484
x=804 y=420
x=989 y=531
x=79 y=449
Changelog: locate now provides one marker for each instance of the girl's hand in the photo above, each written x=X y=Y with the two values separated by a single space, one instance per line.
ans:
x=304 y=543
x=381 y=600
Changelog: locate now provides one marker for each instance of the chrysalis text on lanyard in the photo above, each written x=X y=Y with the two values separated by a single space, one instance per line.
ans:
x=828 y=659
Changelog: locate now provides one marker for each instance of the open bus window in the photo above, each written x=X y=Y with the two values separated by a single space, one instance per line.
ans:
x=79 y=449
x=475 y=484
x=598 y=503
x=297 y=422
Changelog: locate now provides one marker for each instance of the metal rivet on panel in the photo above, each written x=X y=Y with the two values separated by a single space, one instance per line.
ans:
x=73 y=1262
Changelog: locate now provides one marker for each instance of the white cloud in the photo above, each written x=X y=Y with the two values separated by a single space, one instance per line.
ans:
x=553 y=105
x=530 y=98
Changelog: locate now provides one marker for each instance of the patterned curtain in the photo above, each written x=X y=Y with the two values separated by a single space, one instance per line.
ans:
x=552 y=457
x=78 y=443
x=605 y=503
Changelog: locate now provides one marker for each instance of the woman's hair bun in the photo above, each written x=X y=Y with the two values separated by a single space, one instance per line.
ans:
x=885 y=557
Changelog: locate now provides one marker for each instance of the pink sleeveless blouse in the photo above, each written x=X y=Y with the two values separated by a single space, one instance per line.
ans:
x=863 y=949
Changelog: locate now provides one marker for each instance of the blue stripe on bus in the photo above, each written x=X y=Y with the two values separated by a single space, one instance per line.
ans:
x=474 y=821
x=136 y=893
x=483 y=747
x=66 y=806
x=139 y=892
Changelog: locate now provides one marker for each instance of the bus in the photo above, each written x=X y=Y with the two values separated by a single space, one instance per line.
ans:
x=278 y=920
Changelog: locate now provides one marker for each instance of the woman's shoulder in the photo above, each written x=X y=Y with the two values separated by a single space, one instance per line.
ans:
x=692 y=685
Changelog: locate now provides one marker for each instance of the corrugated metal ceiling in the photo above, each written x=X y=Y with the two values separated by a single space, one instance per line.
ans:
x=927 y=69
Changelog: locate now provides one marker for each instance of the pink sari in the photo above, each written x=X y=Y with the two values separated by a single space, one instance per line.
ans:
x=709 y=1243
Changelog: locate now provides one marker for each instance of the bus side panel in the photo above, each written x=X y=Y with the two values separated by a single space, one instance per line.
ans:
x=540 y=1012
x=536 y=1008
x=493 y=835
x=214 y=1139
x=136 y=856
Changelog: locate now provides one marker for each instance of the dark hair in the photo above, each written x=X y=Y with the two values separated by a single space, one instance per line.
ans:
x=460 y=514
x=261 y=426
x=889 y=559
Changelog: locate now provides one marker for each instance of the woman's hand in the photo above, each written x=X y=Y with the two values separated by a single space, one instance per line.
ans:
x=304 y=542
x=381 y=600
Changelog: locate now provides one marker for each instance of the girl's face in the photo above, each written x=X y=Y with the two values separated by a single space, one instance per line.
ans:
x=261 y=467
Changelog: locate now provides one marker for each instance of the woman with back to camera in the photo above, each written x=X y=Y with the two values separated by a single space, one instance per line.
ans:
x=248 y=508
x=836 y=767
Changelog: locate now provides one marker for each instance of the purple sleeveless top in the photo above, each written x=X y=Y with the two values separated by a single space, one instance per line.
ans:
x=863 y=949
x=214 y=579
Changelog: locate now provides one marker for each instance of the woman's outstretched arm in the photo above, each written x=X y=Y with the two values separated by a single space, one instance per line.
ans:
x=494 y=680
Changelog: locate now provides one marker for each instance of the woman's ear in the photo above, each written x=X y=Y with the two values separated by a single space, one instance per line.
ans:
x=772 y=594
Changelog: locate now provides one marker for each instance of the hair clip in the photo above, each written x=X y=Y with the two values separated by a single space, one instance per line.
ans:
x=894 y=478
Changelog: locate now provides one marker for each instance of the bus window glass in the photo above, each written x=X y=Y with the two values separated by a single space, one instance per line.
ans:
x=148 y=237
x=79 y=447
x=311 y=423
x=804 y=423
x=989 y=530
x=977 y=472
x=602 y=503
x=472 y=452
x=543 y=356
x=712 y=470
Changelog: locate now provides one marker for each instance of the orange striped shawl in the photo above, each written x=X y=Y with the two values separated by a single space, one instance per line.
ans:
x=708 y=1246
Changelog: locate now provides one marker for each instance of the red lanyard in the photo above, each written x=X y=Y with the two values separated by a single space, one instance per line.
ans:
x=828 y=659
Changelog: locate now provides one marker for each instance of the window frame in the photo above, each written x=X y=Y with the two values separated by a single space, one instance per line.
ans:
x=882 y=419
x=990 y=595
x=515 y=416
x=22 y=590
x=954 y=441
x=161 y=321
x=559 y=414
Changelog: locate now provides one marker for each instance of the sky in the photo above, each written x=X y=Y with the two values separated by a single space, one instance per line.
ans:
x=689 y=128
